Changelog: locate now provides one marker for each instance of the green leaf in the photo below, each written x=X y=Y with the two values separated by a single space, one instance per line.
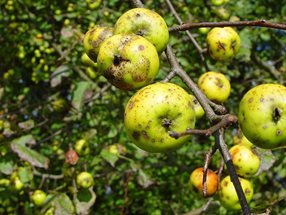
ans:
x=6 y=165
x=26 y=125
x=25 y=174
x=109 y=157
x=57 y=76
x=85 y=200
x=267 y=159
x=63 y=205
x=246 y=45
x=25 y=153
x=144 y=180
x=79 y=95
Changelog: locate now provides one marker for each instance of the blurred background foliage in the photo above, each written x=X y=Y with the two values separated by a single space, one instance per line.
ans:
x=50 y=100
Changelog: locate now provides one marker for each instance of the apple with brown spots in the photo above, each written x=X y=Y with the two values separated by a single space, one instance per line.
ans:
x=154 y=111
x=245 y=160
x=128 y=61
x=223 y=43
x=93 y=40
x=228 y=196
x=262 y=115
x=215 y=86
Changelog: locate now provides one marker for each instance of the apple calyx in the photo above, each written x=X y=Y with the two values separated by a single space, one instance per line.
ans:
x=166 y=123
x=276 y=115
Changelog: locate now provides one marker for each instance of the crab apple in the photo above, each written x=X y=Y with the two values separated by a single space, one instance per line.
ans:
x=198 y=108
x=146 y=23
x=245 y=160
x=38 y=197
x=128 y=61
x=215 y=86
x=223 y=43
x=94 y=38
x=228 y=196
x=84 y=180
x=262 y=115
x=196 y=180
x=155 y=110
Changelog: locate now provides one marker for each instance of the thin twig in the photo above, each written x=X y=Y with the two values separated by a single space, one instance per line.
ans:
x=257 y=23
x=219 y=141
x=225 y=121
x=197 y=46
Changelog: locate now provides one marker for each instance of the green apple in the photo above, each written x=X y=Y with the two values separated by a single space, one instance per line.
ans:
x=146 y=23
x=155 y=110
x=38 y=197
x=203 y=30
x=262 y=115
x=87 y=61
x=228 y=196
x=223 y=43
x=217 y=2
x=128 y=61
x=215 y=86
x=245 y=160
x=94 y=38
x=82 y=147
x=196 y=180
x=198 y=108
x=84 y=180
x=222 y=13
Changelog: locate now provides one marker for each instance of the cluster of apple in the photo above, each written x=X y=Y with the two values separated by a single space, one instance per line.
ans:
x=246 y=162
x=128 y=57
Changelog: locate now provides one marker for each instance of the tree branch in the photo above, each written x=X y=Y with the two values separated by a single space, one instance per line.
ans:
x=260 y=23
x=219 y=141
x=223 y=123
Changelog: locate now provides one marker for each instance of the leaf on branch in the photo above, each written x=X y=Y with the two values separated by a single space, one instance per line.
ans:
x=27 y=125
x=81 y=94
x=143 y=179
x=267 y=159
x=6 y=165
x=57 y=76
x=25 y=153
x=246 y=45
x=109 y=157
x=63 y=205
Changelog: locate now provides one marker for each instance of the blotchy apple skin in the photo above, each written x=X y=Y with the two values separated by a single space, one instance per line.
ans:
x=262 y=115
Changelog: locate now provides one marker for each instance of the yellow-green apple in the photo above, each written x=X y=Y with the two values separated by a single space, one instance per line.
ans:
x=262 y=115
x=84 y=180
x=215 y=86
x=223 y=43
x=245 y=160
x=155 y=110
x=146 y=23
x=198 y=108
x=94 y=38
x=38 y=197
x=228 y=196
x=128 y=61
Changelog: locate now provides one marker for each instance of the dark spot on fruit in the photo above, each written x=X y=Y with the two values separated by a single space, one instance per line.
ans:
x=225 y=184
x=276 y=115
x=131 y=104
x=227 y=197
x=250 y=100
x=138 y=15
x=141 y=47
x=218 y=82
x=261 y=99
x=278 y=132
x=247 y=191
x=136 y=135
x=145 y=135
x=220 y=45
x=264 y=126
x=233 y=44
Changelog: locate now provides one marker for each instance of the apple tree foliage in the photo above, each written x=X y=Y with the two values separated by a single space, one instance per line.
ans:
x=53 y=102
